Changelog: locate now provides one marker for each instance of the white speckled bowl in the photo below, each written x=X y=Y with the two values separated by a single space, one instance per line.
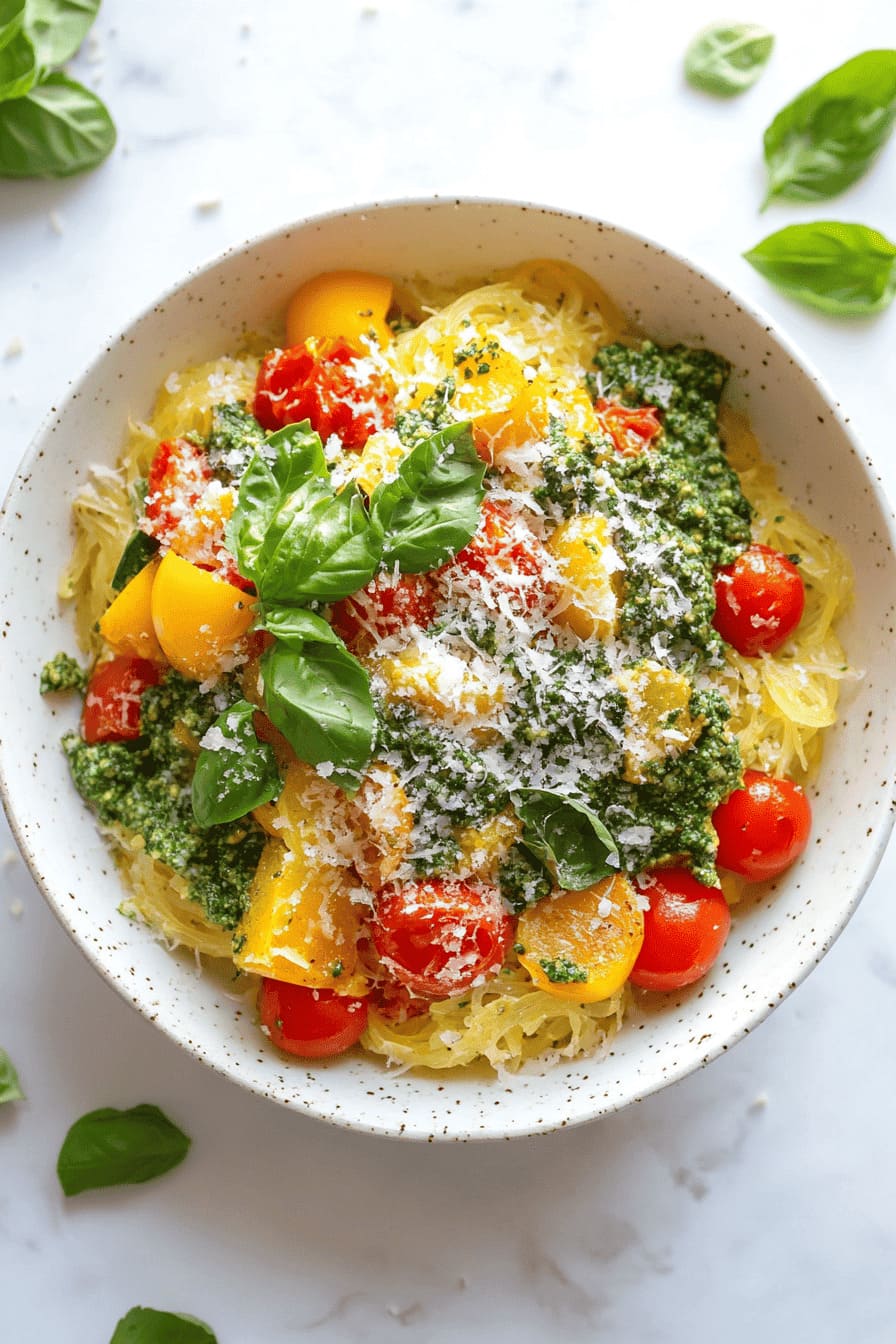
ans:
x=775 y=941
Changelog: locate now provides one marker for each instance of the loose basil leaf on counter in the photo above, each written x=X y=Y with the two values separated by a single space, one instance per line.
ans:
x=58 y=128
x=12 y=19
x=58 y=27
x=235 y=772
x=18 y=67
x=10 y=1088
x=824 y=140
x=431 y=509
x=296 y=625
x=136 y=555
x=320 y=546
x=288 y=459
x=145 y=1325
x=847 y=270
x=728 y=58
x=319 y=698
x=566 y=836
x=109 y=1147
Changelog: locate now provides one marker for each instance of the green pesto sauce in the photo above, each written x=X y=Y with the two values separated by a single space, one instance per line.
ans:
x=522 y=880
x=431 y=415
x=678 y=798
x=233 y=438
x=563 y=971
x=62 y=673
x=144 y=786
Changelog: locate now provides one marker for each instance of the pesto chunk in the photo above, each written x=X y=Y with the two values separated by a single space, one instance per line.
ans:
x=62 y=673
x=234 y=436
x=144 y=787
x=562 y=971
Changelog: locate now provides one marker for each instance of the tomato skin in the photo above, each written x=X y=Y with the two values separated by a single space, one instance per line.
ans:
x=178 y=477
x=508 y=543
x=326 y=383
x=310 y=1023
x=684 y=931
x=438 y=935
x=632 y=429
x=112 y=703
x=384 y=608
x=763 y=828
x=759 y=601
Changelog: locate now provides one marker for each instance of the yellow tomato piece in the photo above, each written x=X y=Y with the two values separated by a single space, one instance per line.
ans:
x=582 y=945
x=442 y=683
x=484 y=847
x=198 y=619
x=588 y=601
x=381 y=815
x=494 y=391
x=199 y=533
x=350 y=304
x=300 y=925
x=659 y=722
x=127 y=623
x=378 y=459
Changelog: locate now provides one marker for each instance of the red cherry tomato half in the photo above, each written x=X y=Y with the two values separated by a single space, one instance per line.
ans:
x=632 y=429
x=178 y=477
x=311 y=1023
x=759 y=601
x=763 y=827
x=384 y=608
x=507 y=553
x=328 y=383
x=684 y=930
x=438 y=935
x=112 y=704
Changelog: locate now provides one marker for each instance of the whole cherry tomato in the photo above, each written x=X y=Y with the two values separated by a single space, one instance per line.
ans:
x=684 y=930
x=508 y=555
x=759 y=601
x=385 y=607
x=763 y=827
x=632 y=428
x=112 y=703
x=327 y=383
x=439 y=935
x=311 y=1023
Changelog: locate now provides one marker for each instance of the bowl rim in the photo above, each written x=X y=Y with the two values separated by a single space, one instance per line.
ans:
x=874 y=853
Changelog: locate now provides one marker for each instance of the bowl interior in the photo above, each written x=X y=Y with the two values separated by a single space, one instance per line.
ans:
x=775 y=940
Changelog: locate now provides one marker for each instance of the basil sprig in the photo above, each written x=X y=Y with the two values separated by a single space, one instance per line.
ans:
x=58 y=27
x=10 y=1087
x=235 y=772
x=18 y=66
x=824 y=140
x=145 y=1325
x=110 y=1147
x=728 y=58
x=847 y=270
x=566 y=836
x=431 y=509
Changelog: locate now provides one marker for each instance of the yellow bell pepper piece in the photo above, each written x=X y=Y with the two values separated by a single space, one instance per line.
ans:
x=587 y=603
x=198 y=619
x=127 y=623
x=659 y=718
x=350 y=304
x=582 y=945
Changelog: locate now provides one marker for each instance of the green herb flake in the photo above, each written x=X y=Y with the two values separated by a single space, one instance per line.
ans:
x=109 y=1147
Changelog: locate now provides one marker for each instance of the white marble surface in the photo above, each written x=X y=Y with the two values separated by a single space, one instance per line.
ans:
x=756 y=1197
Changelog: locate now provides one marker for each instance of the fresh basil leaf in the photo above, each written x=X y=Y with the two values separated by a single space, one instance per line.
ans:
x=728 y=58
x=109 y=1147
x=320 y=700
x=288 y=459
x=10 y=1088
x=295 y=626
x=320 y=546
x=57 y=129
x=145 y=1325
x=58 y=27
x=12 y=18
x=234 y=771
x=824 y=140
x=431 y=509
x=136 y=555
x=844 y=269
x=566 y=836
x=18 y=67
